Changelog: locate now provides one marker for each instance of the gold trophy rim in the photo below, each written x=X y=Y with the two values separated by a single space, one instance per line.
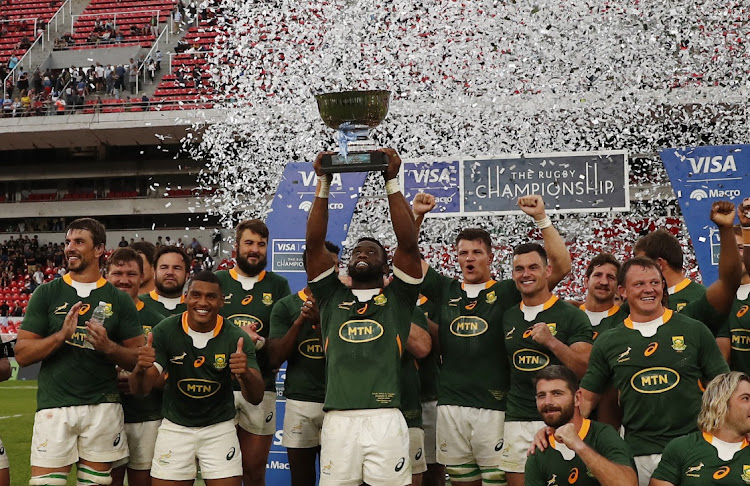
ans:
x=361 y=115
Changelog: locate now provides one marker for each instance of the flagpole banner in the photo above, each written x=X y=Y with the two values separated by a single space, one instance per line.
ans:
x=700 y=176
x=581 y=182
x=286 y=223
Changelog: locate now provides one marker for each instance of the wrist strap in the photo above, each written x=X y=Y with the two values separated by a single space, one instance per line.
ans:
x=324 y=186
x=260 y=343
x=392 y=186
x=543 y=223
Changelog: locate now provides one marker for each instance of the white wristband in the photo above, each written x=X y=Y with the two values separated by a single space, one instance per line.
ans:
x=543 y=223
x=324 y=186
x=260 y=343
x=392 y=186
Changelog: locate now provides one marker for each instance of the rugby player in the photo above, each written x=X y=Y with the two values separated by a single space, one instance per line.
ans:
x=147 y=251
x=172 y=266
x=364 y=329
x=474 y=374
x=79 y=418
x=582 y=451
x=295 y=338
x=601 y=286
x=142 y=414
x=657 y=360
x=197 y=354
x=5 y=373
x=542 y=330
x=717 y=453
x=250 y=293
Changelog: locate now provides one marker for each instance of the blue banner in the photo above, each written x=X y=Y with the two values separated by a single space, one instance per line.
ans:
x=286 y=223
x=700 y=176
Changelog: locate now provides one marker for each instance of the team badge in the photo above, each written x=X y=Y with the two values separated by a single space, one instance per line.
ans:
x=509 y=334
x=694 y=472
x=454 y=302
x=346 y=305
x=380 y=300
x=746 y=473
x=624 y=356
x=552 y=328
x=63 y=309
x=681 y=306
x=108 y=310
x=228 y=299
x=220 y=361
x=678 y=343
x=267 y=299
x=552 y=481
x=491 y=297
x=178 y=360
x=146 y=330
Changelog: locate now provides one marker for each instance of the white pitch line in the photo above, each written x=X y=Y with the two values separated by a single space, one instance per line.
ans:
x=10 y=416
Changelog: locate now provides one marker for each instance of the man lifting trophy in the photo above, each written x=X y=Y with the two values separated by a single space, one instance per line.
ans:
x=353 y=114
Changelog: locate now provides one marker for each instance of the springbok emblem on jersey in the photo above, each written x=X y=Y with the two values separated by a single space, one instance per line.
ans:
x=694 y=469
x=553 y=481
x=624 y=356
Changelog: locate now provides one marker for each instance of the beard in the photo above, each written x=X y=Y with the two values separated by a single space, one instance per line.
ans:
x=365 y=274
x=251 y=269
x=566 y=414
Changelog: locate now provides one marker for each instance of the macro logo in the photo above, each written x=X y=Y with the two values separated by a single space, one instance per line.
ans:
x=655 y=380
x=311 y=348
x=198 y=388
x=246 y=320
x=741 y=339
x=529 y=360
x=360 y=331
x=698 y=194
x=468 y=326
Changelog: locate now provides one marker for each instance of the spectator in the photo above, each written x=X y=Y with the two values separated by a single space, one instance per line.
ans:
x=4 y=309
x=154 y=23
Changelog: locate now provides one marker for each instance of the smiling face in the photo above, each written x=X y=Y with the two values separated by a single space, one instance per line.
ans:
x=555 y=402
x=203 y=300
x=738 y=414
x=530 y=273
x=475 y=259
x=602 y=283
x=126 y=277
x=643 y=289
x=251 y=249
x=367 y=263
x=80 y=251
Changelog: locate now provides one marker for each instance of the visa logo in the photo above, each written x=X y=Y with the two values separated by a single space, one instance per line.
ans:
x=309 y=180
x=718 y=163
x=426 y=176
x=289 y=246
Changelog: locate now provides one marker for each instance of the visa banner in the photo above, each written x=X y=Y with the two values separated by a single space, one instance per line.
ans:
x=700 y=176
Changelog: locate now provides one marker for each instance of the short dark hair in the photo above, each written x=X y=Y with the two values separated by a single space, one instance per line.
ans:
x=373 y=240
x=172 y=249
x=524 y=248
x=643 y=262
x=602 y=259
x=146 y=248
x=204 y=276
x=558 y=372
x=255 y=225
x=473 y=234
x=98 y=233
x=330 y=246
x=661 y=244
x=123 y=255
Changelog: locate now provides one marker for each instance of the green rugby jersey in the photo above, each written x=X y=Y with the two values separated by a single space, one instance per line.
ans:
x=306 y=367
x=692 y=460
x=76 y=374
x=152 y=301
x=684 y=293
x=474 y=371
x=363 y=342
x=549 y=467
x=411 y=404
x=566 y=322
x=659 y=377
x=736 y=328
x=198 y=386
x=136 y=408
x=243 y=307
x=428 y=366
x=606 y=322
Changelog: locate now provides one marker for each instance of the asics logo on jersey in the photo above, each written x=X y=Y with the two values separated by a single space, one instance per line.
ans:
x=651 y=349
x=62 y=309
x=177 y=359
x=471 y=305
x=117 y=441
x=2 y=450
x=199 y=362
x=722 y=472
x=269 y=417
x=230 y=454
x=624 y=356
x=84 y=309
x=691 y=471
x=247 y=300
x=400 y=464
x=499 y=445
x=418 y=455
x=743 y=310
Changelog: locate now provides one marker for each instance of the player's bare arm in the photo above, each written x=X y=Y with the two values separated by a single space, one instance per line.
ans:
x=419 y=343
x=32 y=348
x=318 y=257
x=406 y=257
x=557 y=252
x=575 y=356
x=251 y=381
x=5 y=369
x=605 y=471
x=422 y=204
x=721 y=293
x=589 y=402
x=743 y=212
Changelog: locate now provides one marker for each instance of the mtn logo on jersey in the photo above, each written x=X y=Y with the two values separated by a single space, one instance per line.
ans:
x=198 y=388
x=360 y=331
x=246 y=320
x=655 y=380
x=741 y=339
x=63 y=309
x=529 y=360
x=468 y=326
x=311 y=348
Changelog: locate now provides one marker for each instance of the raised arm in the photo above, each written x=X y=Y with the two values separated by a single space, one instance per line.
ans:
x=422 y=204
x=419 y=343
x=319 y=258
x=721 y=293
x=743 y=212
x=557 y=252
x=406 y=258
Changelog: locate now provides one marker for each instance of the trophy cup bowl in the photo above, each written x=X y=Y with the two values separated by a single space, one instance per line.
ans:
x=353 y=113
